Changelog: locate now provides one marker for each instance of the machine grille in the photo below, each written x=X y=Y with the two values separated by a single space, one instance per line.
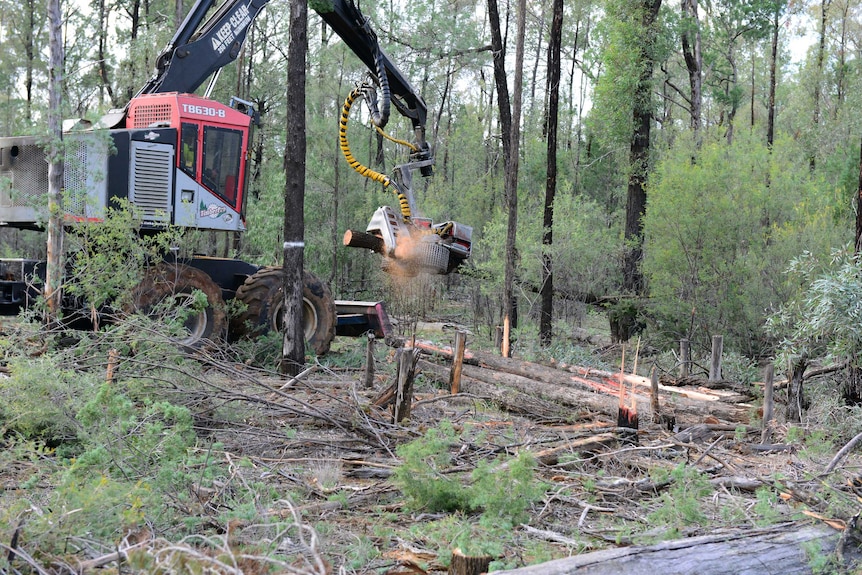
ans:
x=151 y=114
x=29 y=178
x=75 y=177
x=151 y=180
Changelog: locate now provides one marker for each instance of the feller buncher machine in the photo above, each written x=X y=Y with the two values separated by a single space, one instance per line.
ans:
x=181 y=159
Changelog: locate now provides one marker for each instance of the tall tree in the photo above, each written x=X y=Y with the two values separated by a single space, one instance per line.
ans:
x=509 y=144
x=552 y=121
x=773 y=76
x=54 y=270
x=509 y=303
x=818 y=79
x=104 y=12
x=691 y=51
x=498 y=50
x=293 y=349
x=647 y=12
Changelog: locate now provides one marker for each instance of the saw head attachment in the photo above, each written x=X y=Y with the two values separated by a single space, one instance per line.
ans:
x=416 y=246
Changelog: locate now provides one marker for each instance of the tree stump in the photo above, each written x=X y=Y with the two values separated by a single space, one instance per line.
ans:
x=369 y=362
x=468 y=565
x=407 y=359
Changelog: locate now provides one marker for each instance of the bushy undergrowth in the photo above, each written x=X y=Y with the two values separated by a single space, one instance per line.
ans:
x=502 y=490
x=110 y=456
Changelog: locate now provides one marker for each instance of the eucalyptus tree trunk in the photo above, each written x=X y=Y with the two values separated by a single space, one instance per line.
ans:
x=134 y=12
x=293 y=344
x=633 y=281
x=858 y=237
x=821 y=56
x=552 y=121
x=535 y=72
x=773 y=80
x=30 y=53
x=104 y=81
x=691 y=51
x=818 y=79
x=499 y=52
x=510 y=306
x=840 y=86
x=509 y=137
x=179 y=13
x=54 y=270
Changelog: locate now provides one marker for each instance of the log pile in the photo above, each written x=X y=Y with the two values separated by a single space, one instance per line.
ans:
x=568 y=392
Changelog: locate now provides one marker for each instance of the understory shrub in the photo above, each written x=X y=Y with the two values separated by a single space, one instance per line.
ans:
x=502 y=490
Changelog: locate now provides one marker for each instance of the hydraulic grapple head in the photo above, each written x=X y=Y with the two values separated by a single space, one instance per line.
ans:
x=414 y=246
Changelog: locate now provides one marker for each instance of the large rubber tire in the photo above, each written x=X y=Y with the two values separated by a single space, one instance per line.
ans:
x=263 y=295
x=178 y=282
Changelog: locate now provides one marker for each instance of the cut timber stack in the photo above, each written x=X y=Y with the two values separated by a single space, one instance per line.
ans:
x=578 y=388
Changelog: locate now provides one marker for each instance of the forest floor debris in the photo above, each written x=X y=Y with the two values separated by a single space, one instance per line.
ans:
x=324 y=459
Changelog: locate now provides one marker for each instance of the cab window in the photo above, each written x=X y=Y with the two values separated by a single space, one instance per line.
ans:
x=189 y=149
x=221 y=161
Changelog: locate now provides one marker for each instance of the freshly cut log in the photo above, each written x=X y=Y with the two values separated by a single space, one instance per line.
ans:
x=565 y=390
x=510 y=400
x=779 y=549
x=562 y=374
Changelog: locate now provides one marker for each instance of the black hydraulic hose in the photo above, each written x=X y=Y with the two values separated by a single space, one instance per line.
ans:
x=380 y=112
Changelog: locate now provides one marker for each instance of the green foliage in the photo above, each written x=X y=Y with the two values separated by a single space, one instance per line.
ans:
x=681 y=505
x=503 y=492
x=420 y=475
x=505 y=496
x=107 y=258
x=41 y=397
x=765 y=507
x=823 y=320
x=717 y=230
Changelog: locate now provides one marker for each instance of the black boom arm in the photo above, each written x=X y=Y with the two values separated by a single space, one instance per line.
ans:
x=202 y=46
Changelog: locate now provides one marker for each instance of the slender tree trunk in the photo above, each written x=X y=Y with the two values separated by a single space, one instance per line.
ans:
x=293 y=350
x=54 y=272
x=105 y=82
x=30 y=50
x=858 y=240
x=633 y=282
x=773 y=80
x=552 y=122
x=510 y=320
x=336 y=190
x=135 y=16
x=503 y=103
x=818 y=80
x=734 y=104
x=179 y=13
x=535 y=71
x=842 y=61
x=693 y=61
x=752 y=94
x=507 y=130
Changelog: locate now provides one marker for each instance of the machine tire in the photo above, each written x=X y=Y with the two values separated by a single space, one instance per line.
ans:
x=179 y=281
x=262 y=293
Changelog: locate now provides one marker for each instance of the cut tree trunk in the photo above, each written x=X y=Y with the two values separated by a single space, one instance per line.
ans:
x=466 y=565
x=572 y=390
x=508 y=399
x=783 y=549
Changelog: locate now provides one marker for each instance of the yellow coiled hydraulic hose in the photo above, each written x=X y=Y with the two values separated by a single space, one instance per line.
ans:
x=403 y=202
